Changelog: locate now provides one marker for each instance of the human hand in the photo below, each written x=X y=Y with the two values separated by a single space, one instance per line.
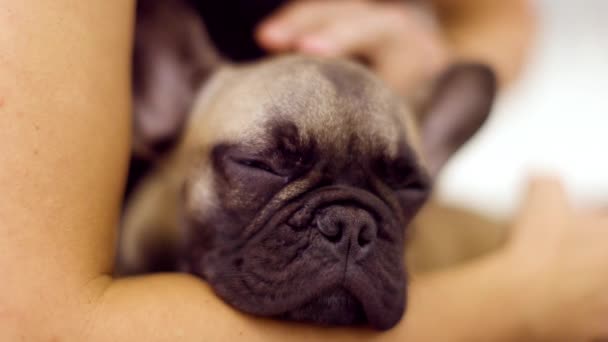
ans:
x=398 y=40
x=559 y=258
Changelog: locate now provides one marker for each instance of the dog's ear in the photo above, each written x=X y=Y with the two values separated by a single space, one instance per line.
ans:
x=459 y=104
x=173 y=56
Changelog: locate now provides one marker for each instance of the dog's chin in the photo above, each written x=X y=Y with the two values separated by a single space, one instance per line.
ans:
x=336 y=307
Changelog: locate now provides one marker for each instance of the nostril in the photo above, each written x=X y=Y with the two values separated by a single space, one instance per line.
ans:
x=340 y=226
x=336 y=232
x=335 y=238
x=366 y=235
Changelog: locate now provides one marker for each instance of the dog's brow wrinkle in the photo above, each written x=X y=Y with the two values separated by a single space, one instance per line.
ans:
x=273 y=102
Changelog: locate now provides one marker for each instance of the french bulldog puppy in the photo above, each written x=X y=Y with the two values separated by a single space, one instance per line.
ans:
x=288 y=184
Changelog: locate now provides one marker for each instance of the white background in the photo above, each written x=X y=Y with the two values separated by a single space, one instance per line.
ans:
x=554 y=119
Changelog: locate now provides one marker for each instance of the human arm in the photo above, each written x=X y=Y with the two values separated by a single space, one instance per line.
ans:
x=548 y=283
x=64 y=137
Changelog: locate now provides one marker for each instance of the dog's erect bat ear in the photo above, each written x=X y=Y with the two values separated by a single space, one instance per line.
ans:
x=459 y=104
x=172 y=58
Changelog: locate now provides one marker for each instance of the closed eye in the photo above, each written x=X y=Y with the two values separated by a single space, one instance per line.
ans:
x=404 y=174
x=257 y=164
x=414 y=183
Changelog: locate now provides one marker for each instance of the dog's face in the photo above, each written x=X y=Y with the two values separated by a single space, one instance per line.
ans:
x=306 y=181
x=298 y=177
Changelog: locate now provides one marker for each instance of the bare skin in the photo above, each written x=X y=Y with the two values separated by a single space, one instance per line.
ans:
x=64 y=142
x=405 y=42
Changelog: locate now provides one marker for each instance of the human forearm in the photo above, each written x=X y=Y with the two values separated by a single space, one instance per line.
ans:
x=473 y=302
x=470 y=303
x=175 y=307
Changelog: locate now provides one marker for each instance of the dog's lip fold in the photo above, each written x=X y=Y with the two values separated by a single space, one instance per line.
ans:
x=316 y=310
x=362 y=309
x=378 y=312
x=320 y=198
x=381 y=316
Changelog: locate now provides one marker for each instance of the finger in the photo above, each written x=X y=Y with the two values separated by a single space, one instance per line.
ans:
x=594 y=210
x=348 y=36
x=387 y=38
x=544 y=211
x=546 y=194
x=279 y=32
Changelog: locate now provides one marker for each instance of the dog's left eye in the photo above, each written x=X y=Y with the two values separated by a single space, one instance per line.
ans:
x=257 y=164
x=401 y=175
x=412 y=183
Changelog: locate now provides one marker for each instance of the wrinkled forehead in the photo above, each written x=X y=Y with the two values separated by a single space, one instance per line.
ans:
x=336 y=103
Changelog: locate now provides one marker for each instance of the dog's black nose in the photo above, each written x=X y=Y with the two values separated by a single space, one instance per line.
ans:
x=348 y=225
